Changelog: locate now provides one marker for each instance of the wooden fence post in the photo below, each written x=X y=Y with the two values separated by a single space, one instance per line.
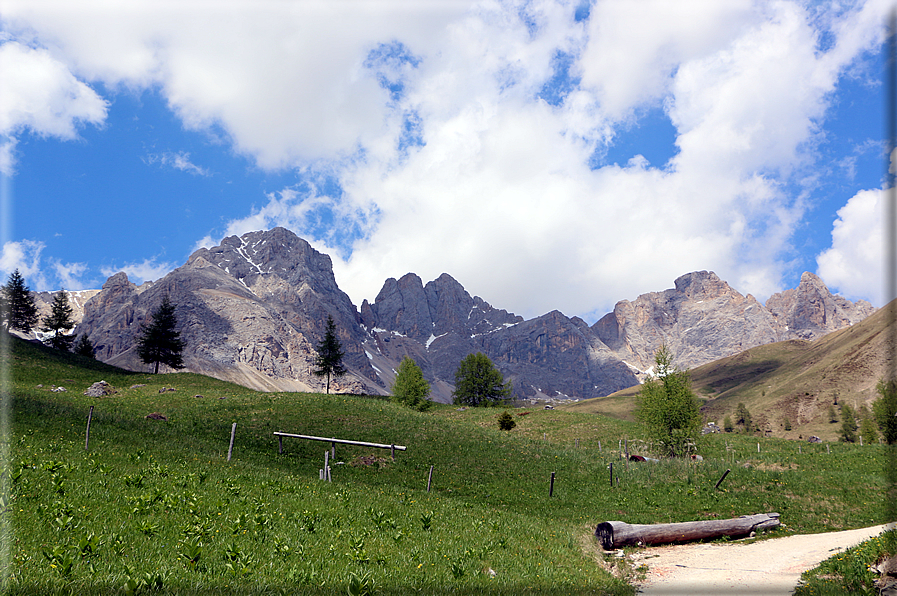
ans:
x=87 y=437
x=430 y=478
x=720 y=481
x=233 y=431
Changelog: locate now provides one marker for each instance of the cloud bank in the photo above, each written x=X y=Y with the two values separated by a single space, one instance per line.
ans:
x=470 y=138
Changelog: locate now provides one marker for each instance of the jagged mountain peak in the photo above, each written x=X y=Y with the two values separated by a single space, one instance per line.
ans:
x=703 y=285
x=703 y=319
x=253 y=308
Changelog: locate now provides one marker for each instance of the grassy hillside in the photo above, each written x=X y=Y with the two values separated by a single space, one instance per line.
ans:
x=790 y=380
x=155 y=503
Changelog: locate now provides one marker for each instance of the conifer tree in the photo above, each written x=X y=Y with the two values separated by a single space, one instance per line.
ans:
x=158 y=341
x=743 y=417
x=329 y=360
x=668 y=407
x=410 y=387
x=848 y=425
x=885 y=410
x=17 y=307
x=479 y=383
x=83 y=347
x=58 y=322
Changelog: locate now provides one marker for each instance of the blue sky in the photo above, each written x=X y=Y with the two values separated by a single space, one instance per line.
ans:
x=547 y=154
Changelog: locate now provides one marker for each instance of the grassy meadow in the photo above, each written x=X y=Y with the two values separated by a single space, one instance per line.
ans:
x=154 y=507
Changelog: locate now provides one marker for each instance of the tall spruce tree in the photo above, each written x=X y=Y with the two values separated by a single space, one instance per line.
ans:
x=159 y=343
x=17 y=307
x=58 y=322
x=329 y=360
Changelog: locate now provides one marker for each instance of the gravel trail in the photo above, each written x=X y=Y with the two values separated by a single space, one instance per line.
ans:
x=767 y=567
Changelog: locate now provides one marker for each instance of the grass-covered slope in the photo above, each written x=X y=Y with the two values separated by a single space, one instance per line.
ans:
x=794 y=381
x=155 y=504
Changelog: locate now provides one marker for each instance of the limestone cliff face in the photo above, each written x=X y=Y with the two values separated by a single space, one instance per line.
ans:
x=811 y=310
x=250 y=310
x=703 y=319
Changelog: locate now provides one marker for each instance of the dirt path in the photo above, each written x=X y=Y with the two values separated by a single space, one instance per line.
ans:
x=767 y=567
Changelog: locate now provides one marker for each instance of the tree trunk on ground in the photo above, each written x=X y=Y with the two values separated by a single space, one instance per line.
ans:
x=616 y=534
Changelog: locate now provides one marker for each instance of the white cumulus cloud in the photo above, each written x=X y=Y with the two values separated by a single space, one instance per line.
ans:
x=432 y=120
x=24 y=255
x=40 y=95
x=854 y=264
x=139 y=272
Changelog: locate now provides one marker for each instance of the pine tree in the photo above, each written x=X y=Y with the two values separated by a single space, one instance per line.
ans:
x=848 y=425
x=329 y=360
x=832 y=415
x=58 y=322
x=17 y=306
x=868 y=430
x=885 y=410
x=479 y=383
x=410 y=387
x=727 y=424
x=743 y=417
x=158 y=341
x=83 y=347
x=668 y=407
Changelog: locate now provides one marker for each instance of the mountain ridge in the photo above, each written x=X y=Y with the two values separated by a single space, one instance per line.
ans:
x=253 y=308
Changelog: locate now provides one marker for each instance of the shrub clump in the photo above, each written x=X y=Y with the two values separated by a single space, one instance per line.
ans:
x=506 y=421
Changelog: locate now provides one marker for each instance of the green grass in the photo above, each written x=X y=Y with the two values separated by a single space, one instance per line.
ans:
x=155 y=503
x=849 y=572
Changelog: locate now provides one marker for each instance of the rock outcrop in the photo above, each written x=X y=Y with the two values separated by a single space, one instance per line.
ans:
x=703 y=319
x=811 y=310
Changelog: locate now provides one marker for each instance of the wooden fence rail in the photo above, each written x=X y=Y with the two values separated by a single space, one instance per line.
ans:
x=333 y=442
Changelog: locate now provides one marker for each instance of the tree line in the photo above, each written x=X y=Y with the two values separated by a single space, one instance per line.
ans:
x=158 y=342
x=477 y=381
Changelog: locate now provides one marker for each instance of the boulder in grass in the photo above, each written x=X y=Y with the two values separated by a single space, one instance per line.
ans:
x=156 y=416
x=99 y=389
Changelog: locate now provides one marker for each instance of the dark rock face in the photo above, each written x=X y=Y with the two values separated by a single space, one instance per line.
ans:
x=253 y=309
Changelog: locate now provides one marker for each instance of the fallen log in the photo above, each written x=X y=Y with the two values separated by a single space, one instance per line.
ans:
x=616 y=534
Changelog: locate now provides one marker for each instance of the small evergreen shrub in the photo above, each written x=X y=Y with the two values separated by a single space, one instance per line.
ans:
x=506 y=421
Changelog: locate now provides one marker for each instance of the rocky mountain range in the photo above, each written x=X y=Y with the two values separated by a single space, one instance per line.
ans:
x=252 y=309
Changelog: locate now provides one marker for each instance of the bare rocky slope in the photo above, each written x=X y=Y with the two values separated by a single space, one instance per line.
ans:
x=252 y=309
x=702 y=319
